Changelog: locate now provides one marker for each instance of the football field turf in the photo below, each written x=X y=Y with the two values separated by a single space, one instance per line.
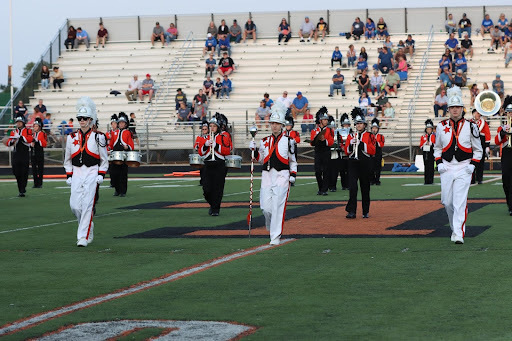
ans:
x=395 y=276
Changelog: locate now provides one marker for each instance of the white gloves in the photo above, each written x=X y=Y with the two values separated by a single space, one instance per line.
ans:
x=470 y=168
x=292 y=179
x=99 y=179
x=208 y=143
x=441 y=168
x=353 y=141
x=69 y=181
x=252 y=145
x=16 y=136
x=487 y=152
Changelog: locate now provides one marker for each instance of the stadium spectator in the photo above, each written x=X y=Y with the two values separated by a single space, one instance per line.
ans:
x=321 y=28
x=376 y=82
x=70 y=40
x=179 y=98
x=363 y=82
x=440 y=88
x=392 y=82
x=336 y=56
x=382 y=29
x=389 y=111
x=446 y=77
x=210 y=44
x=235 y=32
x=133 y=89
x=226 y=87
x=364 y=102
x=262 y=114
x=45 y=77
x=450 y=25
x=132 y=128
x=487 y=25
x=474 y=91
x=223 y=29
x=81 y=38
x=307 y=29
x=362 y=65
x=409 y=45
x=171 y=34
x=357 y=29
x=384 y=60
x=287 y=102
x=249 y=30
x=210 y=65
x=212 y=29
x=380 y=102
x=337 y=83
x=41 y=108
x=351 y=55
x=158 y=34
x=184 y=113
x=226 y=65
x=467 y=46
x=308 y=122
x=101 y=37
x=402 y=67
x=451 y=43
x=508 y=53
x=502 y=22
x=498 y=87
x=199 y=106
x=47 y=128
x=507 y=34
x=444 y=62
x=369 y=31
x=57 y=78
x=147 y=88
x=441 y=103
x=448 y=55
x=464 y=25
x=363 y=54
x=299 y=105
x=284 y=31
x=388 y=43
x=485 y=86
x=268 y=102
x=496 y=38
x=208 y=87
x=69 y=127
x=223 y=45
x=459 y=79
x=461 y=63
x=21 y=110
x=218 y=87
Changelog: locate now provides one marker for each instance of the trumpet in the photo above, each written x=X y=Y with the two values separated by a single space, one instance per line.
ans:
x=355 y=155
x=509 y=122
x=487 y=103
x=212 y=150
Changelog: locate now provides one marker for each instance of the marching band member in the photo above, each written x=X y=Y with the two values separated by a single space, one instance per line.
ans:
x=289 y=130
x=39 y=142
x=277 y=155
x=216 y=146
x=485 y=140
x=377 y=158
x=340 y=138
x=20 y=139
x=333 y=166
x=123 y=142
x=111 y=136
x=503 y=139
x=360 y=146
x=322 y=138
x=457 y=150
x=199 y=142
x=86 y=164
x=427 y=142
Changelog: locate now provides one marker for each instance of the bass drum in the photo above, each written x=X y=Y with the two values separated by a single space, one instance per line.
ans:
x=234 y=161
x=132 y=159
x=117 y=157
x=196 y=160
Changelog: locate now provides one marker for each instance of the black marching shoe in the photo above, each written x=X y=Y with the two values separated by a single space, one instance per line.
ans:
x=510 y=212
x=319 y=193
x=324 y=193
x=344 y=188
x=21 y=195
x=116 y=194
x=365 y=215
x=210 y=211
x=215 y=213
x=122 y=195
x=377 y=183
x=333 y=190
x=351 y=215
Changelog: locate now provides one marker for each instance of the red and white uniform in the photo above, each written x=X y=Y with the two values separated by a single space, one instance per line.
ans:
x=329 y=137
x=111 y=137
x=24 y=135
x=277 y=155
x=457 y=149
x=379 y=140
x=367 y=144
x=85 y=160
x=123 y=138
x=294 y=135
x=483 y=127
x=427 y=140
x=221 y=146
x=40 y=139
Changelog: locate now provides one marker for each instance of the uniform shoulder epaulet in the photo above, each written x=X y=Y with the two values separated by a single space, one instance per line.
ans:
x=73 y=134
x=444 y=122
x=99 y=132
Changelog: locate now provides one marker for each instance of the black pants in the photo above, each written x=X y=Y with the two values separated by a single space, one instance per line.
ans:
x=334 y=168
x=335 y=60
x=20 y=165
x=38 y=169
x=478 y=174
x=376 y=168
x=213 y=183
x=322 y=159
x=506 y=174
x=428 y=161
x=119 y=175
x=57 y=82
x=70 y=42
x=281 y=36
x=359 y=170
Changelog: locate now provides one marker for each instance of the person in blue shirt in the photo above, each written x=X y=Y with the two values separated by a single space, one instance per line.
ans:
x=299 y=105
x=461 y=63
x=385 y=58
x=337 y=83
x=336 y=56
x=210 y=44
x=226 y=87
x=502 y=22
x=361 y=65
x=451 y=43
x=210 y=65
x=409 y=44
x=223 y=45
x=446 y=77
x=268 y=102
x=444 y=62
x=507 y=34
x=487 y=25
x=81 y=38
x=370 y=29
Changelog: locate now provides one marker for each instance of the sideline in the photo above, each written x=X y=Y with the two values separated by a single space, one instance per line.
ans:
x=439 y=193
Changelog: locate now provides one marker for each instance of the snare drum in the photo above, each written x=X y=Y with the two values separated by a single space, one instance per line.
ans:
x=196 y=160
x=234 y=161
x=132 y=159
x=117 y=157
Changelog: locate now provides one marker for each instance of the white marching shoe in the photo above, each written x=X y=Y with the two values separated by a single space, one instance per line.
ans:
x=82 y=242
x=91 y=234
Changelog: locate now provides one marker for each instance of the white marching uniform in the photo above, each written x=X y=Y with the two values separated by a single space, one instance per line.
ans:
x=85 y=162
x=457 y=150
x=277 y=155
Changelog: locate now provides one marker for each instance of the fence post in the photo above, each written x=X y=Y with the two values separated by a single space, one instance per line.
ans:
x=51 y=58
x=405 y=20
x=247 y=123
x=410 y=137
x=60 y=42
x=147 y=143
x=138 y=26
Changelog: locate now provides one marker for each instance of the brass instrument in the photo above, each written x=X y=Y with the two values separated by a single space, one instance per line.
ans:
x=509 y=122
x=487 y=103
x=355 y=155
x=212 y=136
x=317 y=137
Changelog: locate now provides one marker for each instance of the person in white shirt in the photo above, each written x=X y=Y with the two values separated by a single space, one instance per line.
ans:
x=133 y=89
x=306 y=29
x=286 y=101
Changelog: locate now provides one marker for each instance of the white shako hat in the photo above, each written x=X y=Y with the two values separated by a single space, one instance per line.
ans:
x=278 y=113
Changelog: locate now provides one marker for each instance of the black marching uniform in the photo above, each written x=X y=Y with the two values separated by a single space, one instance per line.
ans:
x=427 y=142
x=20 y=139
x=377 y=158
x=37 y=155
x=503 y=139
x=119 y=173
x=322 y=152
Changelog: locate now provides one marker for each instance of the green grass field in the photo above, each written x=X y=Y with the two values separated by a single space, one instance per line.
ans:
x=341 y=288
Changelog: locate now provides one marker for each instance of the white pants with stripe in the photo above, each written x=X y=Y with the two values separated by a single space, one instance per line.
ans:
x=81 y=201
x=455 y=182
x=275 y=186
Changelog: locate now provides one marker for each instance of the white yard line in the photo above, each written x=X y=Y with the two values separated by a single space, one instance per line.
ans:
x=438 y=193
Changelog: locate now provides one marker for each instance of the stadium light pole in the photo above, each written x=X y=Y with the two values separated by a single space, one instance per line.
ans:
x=9 y=71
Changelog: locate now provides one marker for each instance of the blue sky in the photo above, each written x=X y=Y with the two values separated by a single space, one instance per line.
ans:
x=36 y=22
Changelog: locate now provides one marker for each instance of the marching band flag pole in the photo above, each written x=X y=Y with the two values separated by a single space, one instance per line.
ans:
x=253 y=130
x=9 y=72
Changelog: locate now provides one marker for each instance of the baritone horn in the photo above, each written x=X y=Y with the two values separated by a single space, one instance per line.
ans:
x=487 y=103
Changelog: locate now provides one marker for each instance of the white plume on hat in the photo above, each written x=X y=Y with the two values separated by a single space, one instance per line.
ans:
x=278 y=113
x=454 y=91
x=85 y=107
x=455 y=97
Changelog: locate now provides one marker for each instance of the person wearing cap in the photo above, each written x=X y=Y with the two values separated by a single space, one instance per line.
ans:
x=464 y=26
x=499 y=87
x=322 y=138
x=86 y=164
x=249 y=30
x=210 y=44
x=179 y=98
x=214 y=148
x=299 y=105
x=223 y=45
x=485 y=140
x=81 y=38
x=157 y=34
x=38 y=144
x=226 y=64
x=235 y=32
x=307 y=29
x=133 y=89
x=321 y=28
x=359 y=146
x=457 y=151
x=277 y=154
x=487 y=25
x=146 y=88
x=57 y=78
x=337 y=83
x=502 y=139
x=20 y=139
x=171 y=34
x=199 y=106
x=377 y=158
x=123 y=142
x=427 y=142
x=357 y=29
